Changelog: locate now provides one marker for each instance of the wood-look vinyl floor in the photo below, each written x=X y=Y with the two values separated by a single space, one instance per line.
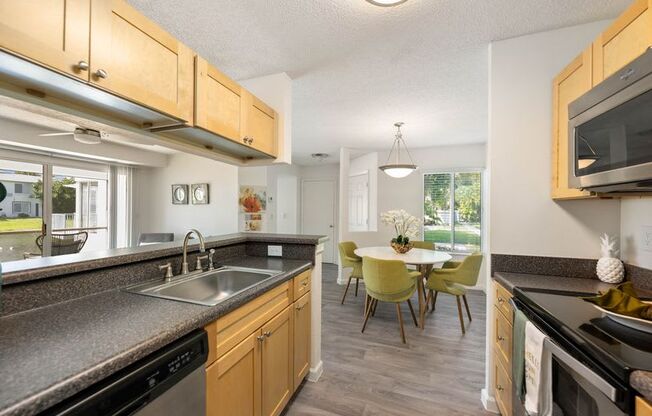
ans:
x=439 y=371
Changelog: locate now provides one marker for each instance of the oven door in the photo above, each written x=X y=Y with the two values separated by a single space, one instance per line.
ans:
x=577 y=390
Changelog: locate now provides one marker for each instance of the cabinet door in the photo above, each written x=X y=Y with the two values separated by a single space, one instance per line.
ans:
x=217 y=102
x=133 y=57
x=54 y=33
x=627 y=38
x=276 y=378
x=260 y=123
x=301 y=334
x=233 y=381
x=569 y=85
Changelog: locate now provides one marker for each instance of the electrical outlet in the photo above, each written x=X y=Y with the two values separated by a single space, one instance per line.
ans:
x=646 y=237
x=276 y=251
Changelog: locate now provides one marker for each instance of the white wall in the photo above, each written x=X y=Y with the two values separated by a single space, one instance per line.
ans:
x=636 y=231
x=153 y=208
x=522 y=217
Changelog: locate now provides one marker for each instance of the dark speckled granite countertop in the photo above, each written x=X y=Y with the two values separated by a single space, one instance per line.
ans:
x=640 y=380
x=51 y=353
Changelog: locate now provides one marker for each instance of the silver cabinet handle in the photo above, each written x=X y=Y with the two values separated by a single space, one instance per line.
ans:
x=501 y=338
x=82 y=66
x=251 y=140
x=267 y=334
x=100 y=73
x=244 y=140
x=260 y=338
x=499 y=388
x=301 y=307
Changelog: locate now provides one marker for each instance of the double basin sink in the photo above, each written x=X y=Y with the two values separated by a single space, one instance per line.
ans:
x=206 y=288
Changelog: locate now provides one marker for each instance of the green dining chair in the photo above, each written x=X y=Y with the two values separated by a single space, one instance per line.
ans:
x=453 y=278
x=426 y=245
x=349 y=259
x=388 y=281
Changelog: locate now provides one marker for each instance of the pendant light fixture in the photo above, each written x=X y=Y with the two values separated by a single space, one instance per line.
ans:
x=398 y=169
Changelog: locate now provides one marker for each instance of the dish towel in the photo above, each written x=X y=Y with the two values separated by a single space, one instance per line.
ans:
x=518 y=353
x=538 y=373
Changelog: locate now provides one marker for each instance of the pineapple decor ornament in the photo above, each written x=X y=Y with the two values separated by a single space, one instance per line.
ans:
x=609 y=269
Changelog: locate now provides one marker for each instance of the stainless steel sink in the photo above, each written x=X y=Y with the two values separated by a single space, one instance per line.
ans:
x=206 y=288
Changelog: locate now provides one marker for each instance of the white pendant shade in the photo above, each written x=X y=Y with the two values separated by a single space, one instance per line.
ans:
x=398 y=169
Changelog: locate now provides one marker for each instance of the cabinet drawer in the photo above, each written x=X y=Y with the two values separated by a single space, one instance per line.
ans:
x=302 y=284
x=503 y=392
x=231 y=329
x=501 y=301
x=503 y=339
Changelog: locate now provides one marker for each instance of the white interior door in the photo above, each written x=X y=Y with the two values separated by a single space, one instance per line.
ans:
x=318 y=212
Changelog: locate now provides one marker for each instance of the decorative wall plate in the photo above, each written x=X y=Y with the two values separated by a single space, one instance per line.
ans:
x=199 y=193
x=180 y=194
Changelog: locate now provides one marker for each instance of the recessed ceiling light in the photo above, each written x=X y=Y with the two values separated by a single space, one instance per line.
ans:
x=386 y=3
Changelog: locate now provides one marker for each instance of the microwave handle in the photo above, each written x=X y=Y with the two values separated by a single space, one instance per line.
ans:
x=595 y=380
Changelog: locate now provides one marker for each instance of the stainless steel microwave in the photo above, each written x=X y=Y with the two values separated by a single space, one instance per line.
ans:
x=610 y=132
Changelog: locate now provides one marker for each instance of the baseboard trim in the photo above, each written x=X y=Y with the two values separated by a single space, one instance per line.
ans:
x=488 y=401
x=316 y=372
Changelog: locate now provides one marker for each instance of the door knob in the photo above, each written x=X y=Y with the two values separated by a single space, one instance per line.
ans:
x=100 y=73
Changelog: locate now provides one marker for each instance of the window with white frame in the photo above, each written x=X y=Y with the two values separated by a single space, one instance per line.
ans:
x=452 y=210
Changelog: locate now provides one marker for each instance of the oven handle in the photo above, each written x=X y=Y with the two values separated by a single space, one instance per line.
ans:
x=597 y=381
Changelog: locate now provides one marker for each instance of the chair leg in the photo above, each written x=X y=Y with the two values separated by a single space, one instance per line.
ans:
x=366 y=302
x=400 y=321
x=459 y=312
x=346 y=290
x=434 y=300
x=367 y=314
x=357 y=283
x=466 y=304
x=414 y=317
x=373 y=307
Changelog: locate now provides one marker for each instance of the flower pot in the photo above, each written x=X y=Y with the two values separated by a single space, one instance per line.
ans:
x=401 y=248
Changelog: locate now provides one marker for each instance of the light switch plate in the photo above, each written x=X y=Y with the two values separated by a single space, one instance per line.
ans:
x=276 y=251
x=646 y=237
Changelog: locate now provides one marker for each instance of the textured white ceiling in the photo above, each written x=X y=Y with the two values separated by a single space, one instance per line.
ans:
x=358 y=68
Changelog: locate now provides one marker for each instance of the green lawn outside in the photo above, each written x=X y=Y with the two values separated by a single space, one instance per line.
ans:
x=444 y=236
x=19 y=224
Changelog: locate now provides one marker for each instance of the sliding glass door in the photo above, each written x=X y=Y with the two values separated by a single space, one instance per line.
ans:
x=49 y=209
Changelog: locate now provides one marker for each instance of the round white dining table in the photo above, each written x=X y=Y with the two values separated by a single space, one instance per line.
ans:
x=424 y=259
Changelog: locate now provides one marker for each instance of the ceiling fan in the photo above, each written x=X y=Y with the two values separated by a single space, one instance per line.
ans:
x=81 y=135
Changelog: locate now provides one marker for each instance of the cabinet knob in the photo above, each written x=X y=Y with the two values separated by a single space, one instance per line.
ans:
x=501 y=338
x=251 y=140
x=305 y=283
x=301 y=307
x=244 y=139
x=100 y=73
x=82 y=66
x=499 y=388
x=267 y=334
x=260 y=338
x=501 y=300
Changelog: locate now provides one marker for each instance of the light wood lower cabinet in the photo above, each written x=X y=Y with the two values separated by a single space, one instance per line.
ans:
x=643 y=407
x=258 y=354
x=302 y=334
x=233 y=384
x=502 y=347
x=277 y=360
x=53 y=33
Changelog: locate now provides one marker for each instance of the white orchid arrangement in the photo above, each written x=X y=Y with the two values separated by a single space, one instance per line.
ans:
x=406 y=225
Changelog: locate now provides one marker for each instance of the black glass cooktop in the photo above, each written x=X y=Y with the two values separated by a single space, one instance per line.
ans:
x=618 y=348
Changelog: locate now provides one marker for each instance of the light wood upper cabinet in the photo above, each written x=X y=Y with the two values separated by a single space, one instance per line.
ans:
x=627 y=38
x=260 y=123
x=133 y=57
x=570 y=84
x=217 y=102
x=53 y=33
x=277 y=380
x=233 y=385
x=301 y=329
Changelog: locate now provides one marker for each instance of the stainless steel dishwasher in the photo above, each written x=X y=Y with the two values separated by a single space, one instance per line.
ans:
x=170 y=381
